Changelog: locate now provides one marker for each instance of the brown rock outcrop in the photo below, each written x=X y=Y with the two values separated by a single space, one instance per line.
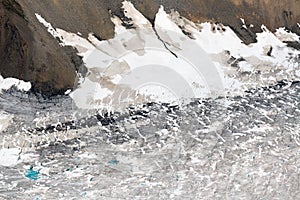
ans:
x=28 y=52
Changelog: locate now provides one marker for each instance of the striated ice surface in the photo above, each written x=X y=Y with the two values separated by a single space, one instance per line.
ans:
x=243 y=147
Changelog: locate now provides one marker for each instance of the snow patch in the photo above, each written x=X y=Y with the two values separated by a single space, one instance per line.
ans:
x=83 y=46
x=68 y=92
x=244 y=25
x=49 y=27
x=135 y=15
x=7 y=83
x=284 y=35
x=9 y=157
x=5 y=120
x=245 y=67
x=163 y=21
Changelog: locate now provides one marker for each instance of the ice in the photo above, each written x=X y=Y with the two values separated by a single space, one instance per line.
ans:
x=163 y=150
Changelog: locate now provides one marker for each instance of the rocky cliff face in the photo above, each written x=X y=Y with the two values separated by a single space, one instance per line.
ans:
x=28 y=51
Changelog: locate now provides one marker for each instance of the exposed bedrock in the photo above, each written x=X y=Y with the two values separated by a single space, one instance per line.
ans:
x=29 y=52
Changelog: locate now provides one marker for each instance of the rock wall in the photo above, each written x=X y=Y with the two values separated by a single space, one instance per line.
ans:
x=28 y=51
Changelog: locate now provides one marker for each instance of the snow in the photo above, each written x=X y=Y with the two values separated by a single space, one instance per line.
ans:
x=218 y=41
x=163 y=22
x=49 y=27
x=284 y=35
x=72 y=39
x=83 y=46
x=87 y=94
x=136 y=64
x=7 y=83
x=245 y=67
x=135 y=15
x=68 y=92
x=243 y=21
x=140 y=65
x=244 y=25
x=9 y=157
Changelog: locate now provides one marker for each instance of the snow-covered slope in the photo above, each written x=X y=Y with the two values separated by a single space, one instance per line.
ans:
x=175 y=60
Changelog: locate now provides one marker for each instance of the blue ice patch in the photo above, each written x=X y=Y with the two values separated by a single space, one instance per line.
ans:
x=113 y=162
x=32 y=174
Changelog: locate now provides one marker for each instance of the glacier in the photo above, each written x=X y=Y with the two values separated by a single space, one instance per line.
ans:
x=169 y=110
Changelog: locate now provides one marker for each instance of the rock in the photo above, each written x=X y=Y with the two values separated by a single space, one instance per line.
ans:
x=29 y=53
